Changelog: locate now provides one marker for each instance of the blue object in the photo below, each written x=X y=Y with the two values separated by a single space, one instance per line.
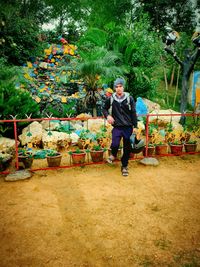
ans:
x=141 y=108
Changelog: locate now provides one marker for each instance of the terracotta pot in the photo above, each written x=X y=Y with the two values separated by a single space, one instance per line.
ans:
x=190 y=147
x=54 y=161
x=97 y=156
x=161 y=149
x=78 y=158
x=176 y=149
x=150 y=151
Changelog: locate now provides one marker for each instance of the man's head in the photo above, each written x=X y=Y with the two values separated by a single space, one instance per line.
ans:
x=119 y=86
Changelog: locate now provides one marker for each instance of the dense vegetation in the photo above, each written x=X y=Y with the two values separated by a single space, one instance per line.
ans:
x=115 y=38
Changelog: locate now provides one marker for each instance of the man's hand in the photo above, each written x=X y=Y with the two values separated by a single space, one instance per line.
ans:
x=110 y=119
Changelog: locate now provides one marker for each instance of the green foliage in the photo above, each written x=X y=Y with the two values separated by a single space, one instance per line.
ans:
x=97 y=61
x=52 y=153
x=14 y=101
x=97 y=147
x=102 y=13
x=191 y=142
x=77 y=151
x=66 y=128
x=85 y=134
x=139 y=49
x=161 y=14
x=94 y=36
x=58 y=109
x=20 y=33
x=23 y=152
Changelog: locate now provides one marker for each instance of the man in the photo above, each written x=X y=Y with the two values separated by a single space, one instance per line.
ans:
x=119 y=110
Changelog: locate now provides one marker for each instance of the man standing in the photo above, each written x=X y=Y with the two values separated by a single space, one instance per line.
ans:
x=119 y=110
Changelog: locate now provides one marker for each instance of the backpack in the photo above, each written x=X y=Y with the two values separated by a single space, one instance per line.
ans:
x=112 y=99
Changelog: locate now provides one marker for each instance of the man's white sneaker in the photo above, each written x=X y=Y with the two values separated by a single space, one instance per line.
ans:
x=110 y=159
x=124 y=171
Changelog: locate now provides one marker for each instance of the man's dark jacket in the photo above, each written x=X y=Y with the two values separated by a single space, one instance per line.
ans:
x=123 y=110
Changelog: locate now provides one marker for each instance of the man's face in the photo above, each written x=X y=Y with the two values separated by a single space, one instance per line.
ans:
x=119 y=89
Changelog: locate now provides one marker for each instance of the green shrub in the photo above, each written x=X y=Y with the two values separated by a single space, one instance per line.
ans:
x=13 y=102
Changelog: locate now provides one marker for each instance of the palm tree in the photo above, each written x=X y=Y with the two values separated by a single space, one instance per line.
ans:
x=94 y=65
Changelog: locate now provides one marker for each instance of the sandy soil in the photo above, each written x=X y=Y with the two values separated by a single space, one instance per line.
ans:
x=94 y=217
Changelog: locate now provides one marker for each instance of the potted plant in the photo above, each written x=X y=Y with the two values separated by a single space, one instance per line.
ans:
x=161 y=148
x=97 y=153
x=175 y=140
x=159 y=141
x=84 y=139
x=78 y=156
x=25 y=158
x=152 y=132
x=190 y=146
x=149 y=151
x=176 y=147
x=53 y=158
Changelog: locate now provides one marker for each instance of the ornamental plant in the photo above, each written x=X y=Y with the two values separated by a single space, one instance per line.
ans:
x=52 y=153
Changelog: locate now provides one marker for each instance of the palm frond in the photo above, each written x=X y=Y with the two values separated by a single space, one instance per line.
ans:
x=94 y=36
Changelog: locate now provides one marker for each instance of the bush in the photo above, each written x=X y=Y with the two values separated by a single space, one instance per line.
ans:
x=15 y=102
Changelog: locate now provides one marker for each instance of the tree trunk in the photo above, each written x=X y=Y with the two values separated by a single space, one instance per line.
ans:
x=184 y=94
x=172 y=77
x=187 y=67
x=166 y=86
x=177 y=82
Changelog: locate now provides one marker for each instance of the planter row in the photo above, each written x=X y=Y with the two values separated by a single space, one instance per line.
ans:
x=98 y=156
x=55 y=161
x=174 y=149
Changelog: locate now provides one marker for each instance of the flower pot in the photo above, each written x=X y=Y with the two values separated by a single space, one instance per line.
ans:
x=96 y=156
x=150 y=151
x=54 y=161
x=78 y=158
x=119 y=153
x=25 y=161
x=161 y=149
x=176 y=149
x=5 y=161
x=190 y=147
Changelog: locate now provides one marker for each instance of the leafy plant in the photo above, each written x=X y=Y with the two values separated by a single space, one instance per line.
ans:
x=25 y=153
x=191 y=142
x=14 y=101
x=160 y=143
x=96 y=147
x=77 y=151
x=52 y=153
x=176 y=143
x=85 y=134
x=150 y=145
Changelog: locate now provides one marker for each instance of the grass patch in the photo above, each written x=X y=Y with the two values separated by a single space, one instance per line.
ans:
x=146 y=262
x=187 y=259
x=162 y=243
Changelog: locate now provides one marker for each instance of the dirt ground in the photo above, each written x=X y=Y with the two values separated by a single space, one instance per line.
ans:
x=94 y=217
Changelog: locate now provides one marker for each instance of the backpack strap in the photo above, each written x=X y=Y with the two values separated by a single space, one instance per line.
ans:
x=129 y=102
x=111 y=102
